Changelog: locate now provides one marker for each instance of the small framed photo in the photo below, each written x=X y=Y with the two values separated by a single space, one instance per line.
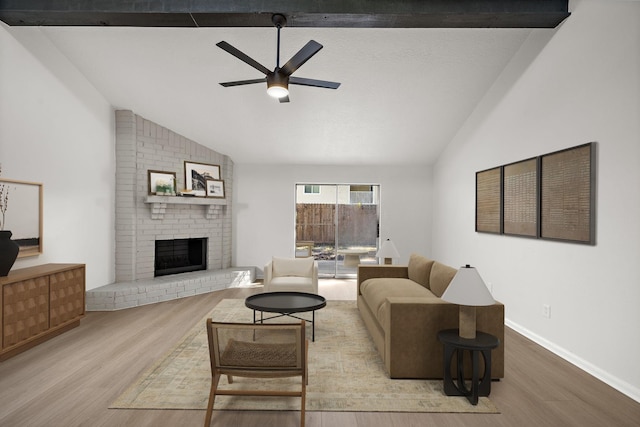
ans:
x=215 y=188
x=162 y=183
x=196 y=176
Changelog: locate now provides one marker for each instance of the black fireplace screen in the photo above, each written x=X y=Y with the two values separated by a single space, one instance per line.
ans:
x=180 y=256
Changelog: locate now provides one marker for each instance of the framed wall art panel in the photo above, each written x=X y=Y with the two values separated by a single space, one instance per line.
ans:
x=567 y=181
x=520 y=210
x=489 y=201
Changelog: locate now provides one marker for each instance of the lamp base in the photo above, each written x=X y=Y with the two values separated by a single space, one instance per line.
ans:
x=388 y=261
x=467 y=322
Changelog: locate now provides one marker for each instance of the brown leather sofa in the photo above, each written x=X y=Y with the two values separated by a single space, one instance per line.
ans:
x=403 y=312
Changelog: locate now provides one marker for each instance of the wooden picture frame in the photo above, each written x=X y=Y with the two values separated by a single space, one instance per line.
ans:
x=23 y=216
x=161 y=183
x=196 y=176
x=215 y=188
x=489 y=201
x=520 y=198
x=567 y=194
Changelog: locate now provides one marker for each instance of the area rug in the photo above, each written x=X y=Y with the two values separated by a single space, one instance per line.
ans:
x=345 y=373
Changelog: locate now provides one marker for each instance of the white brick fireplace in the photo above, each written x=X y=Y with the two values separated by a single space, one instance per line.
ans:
x=142 y=145
x=141 y=219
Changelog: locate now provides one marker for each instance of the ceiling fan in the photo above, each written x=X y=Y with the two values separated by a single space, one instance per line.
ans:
x=279 y=79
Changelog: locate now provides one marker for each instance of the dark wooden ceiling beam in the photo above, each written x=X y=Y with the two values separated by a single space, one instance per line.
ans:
x=299 y=13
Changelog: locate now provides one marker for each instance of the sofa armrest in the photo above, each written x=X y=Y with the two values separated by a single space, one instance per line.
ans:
x=412 y=326
x=375 y=271
x=268 y=273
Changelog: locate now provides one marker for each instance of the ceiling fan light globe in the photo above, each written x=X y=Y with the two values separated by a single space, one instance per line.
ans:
x=277 y=91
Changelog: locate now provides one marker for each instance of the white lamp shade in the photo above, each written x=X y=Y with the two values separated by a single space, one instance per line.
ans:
x=388 y=250
x=468 y=288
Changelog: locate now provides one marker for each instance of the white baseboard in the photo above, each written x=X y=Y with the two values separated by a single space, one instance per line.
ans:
x=622 y=386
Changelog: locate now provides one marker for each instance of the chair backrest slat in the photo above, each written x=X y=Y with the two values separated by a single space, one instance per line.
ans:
x=277 y=347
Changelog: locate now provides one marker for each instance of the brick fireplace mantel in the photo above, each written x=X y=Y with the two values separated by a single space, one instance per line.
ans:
x=214 y=207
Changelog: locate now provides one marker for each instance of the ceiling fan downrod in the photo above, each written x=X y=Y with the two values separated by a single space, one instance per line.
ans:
x=279 y=21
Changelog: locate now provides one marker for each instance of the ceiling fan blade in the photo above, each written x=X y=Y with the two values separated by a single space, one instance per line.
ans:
x=243 y=82
x=284 y=99
x=243 y=57
x=312 y=82
x=303 y=55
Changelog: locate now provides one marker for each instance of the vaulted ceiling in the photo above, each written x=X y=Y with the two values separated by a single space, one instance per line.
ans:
x=411 y=72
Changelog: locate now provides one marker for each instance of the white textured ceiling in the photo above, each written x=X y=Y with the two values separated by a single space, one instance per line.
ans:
x=404 y=92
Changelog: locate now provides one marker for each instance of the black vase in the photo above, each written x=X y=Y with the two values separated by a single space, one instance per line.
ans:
x=8 y=252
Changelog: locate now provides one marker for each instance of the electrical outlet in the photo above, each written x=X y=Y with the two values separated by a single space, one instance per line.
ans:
x=546 y=311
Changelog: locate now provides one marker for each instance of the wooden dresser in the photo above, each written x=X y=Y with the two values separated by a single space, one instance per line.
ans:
x=38 y=303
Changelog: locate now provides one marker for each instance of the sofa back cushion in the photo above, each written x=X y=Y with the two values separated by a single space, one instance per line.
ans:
x=419 y=269
x=298 y=267
x=440 y=277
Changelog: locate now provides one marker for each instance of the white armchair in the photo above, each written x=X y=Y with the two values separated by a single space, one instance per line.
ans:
x=291 y=274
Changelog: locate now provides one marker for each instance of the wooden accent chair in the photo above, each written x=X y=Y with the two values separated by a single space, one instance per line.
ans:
x=257 y=351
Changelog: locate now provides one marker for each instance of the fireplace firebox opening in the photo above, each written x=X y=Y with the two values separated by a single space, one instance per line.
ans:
x=180 y=256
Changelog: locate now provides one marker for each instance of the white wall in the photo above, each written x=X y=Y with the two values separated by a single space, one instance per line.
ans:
x=56 y=129
x=265 y=206
x=583 y=86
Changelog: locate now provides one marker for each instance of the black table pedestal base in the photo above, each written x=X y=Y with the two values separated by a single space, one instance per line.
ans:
x=478 y=386
x=455 y=346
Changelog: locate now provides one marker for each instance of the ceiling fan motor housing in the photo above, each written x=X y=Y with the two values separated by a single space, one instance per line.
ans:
x=278 y=80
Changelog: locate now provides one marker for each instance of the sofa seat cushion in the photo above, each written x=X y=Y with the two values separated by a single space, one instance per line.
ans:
x=292 y=267
x=376 y=291
x=287 y=281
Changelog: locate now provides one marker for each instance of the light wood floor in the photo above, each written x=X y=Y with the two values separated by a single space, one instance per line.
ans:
x=72 y=379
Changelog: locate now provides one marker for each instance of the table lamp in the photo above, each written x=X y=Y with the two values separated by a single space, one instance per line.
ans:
x=468 y=290
x=388 y=251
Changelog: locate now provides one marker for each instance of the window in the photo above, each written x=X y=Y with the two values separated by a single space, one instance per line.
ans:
x=311 y=189
x=361 y=194
x=339 y=223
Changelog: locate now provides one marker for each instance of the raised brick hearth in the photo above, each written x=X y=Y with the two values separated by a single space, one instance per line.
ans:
x=122 y=295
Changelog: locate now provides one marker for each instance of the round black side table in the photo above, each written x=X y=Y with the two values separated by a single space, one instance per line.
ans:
x=483 y=343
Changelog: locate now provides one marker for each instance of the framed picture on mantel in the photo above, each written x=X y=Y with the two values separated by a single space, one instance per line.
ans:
x=196 y=176
x=162 y=183
x=215 y=188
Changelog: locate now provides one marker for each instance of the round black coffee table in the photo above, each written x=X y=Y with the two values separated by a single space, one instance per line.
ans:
x=287 y=304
